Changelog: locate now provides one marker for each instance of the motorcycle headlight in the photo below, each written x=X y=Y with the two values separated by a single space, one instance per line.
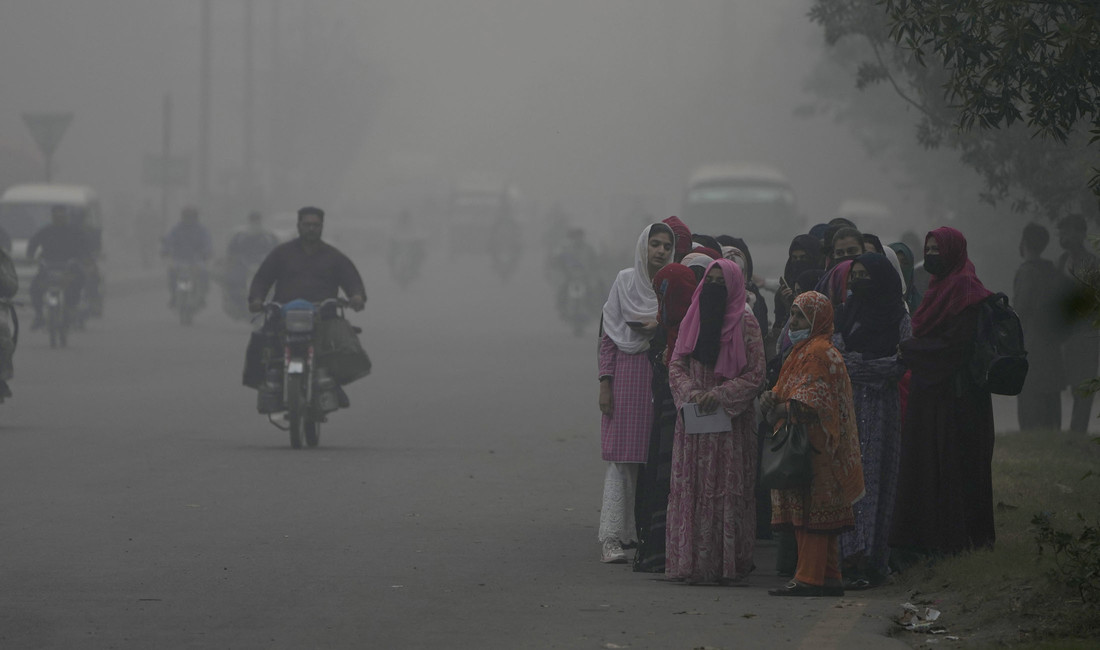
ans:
x=299 y=321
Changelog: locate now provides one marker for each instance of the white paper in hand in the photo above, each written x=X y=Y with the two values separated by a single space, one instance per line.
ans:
x=695 y=421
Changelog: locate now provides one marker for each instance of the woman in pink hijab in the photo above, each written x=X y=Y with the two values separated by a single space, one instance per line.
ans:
x=718 y=364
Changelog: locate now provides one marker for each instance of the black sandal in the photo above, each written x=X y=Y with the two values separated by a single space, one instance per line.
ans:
x=796 y=588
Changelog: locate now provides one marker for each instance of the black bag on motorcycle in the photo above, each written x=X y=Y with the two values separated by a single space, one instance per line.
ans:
x=338 y=350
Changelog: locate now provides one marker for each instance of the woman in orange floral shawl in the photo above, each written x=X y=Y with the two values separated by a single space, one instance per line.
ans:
x=815 y=377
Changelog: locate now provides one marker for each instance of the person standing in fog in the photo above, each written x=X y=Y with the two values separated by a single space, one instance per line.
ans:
x=804 y=254
x=674 y=286
x=1081 y=350
x=945 y=482
x=1037 y=292
x=906 y=261
x=813 y=387
x=683 y=237
x=871 y=325
x=718 y=363
x=626 y=396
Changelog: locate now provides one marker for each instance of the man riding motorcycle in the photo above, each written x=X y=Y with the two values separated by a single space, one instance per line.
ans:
x=305 y=268
x=246 y=249
x=62 y=243
x=188 y=244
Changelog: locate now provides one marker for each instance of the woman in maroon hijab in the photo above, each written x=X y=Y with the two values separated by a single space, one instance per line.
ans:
x=945 y=493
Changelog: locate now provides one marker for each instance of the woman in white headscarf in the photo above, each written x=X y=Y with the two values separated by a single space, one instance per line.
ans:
x=626 y=395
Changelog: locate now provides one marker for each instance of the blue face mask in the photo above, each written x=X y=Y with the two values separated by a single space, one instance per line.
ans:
x=797 y=336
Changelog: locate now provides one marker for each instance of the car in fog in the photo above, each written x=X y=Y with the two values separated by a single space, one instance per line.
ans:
x=26 y=208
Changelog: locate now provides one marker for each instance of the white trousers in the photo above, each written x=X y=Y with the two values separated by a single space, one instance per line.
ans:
x=617 y=513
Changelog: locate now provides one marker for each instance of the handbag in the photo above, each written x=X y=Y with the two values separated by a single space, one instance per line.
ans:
x=787 y=456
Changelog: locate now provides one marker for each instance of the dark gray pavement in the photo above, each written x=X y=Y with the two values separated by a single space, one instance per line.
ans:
x=144 y=504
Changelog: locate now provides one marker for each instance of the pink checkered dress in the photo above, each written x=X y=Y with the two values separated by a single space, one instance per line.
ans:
x=624 y=437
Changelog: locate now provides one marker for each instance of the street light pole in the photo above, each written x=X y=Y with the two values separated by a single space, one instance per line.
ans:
x=204 y=105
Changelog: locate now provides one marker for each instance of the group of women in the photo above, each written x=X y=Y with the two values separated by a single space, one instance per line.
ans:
x=875 y=373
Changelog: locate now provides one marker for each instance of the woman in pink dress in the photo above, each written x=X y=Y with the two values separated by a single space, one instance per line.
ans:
x=626 y=394
x=718 y=363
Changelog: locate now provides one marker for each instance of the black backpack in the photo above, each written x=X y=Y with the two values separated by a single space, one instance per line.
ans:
x=999 y=363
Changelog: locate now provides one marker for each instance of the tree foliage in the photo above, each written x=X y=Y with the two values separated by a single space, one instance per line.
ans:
x=1011 y=85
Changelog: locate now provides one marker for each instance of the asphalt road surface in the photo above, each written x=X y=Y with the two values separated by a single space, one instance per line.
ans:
x=145 y=504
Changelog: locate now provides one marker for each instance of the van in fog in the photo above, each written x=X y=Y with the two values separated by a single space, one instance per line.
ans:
x=747 y=200
x=26 y=208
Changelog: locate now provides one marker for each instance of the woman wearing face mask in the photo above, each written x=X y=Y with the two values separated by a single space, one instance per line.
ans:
x=626 y=397
x=814 y=388
x=718 y=363
x=674 y=286
x=871 y=325
x=945 y=493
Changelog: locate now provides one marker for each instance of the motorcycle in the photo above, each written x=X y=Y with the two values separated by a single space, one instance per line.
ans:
x=294 y=382
x=57 y=312
x=575 y=299
x=190 y=296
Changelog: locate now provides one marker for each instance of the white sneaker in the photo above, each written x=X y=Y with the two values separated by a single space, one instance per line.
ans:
x=613 y=552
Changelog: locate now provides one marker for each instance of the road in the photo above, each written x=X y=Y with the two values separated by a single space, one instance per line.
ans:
x=146 y=505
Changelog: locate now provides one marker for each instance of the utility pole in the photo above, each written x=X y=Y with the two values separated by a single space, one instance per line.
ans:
x=165 y=155
x=274 y=111
x=249 y=102
x=204 y=105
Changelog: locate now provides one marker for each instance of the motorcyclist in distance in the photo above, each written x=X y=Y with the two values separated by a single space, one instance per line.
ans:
x=307 y=268
x=61 y=243
x=247 y=248
x=188 y=243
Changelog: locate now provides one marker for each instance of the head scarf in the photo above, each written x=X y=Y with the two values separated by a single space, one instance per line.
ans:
x=815 y=376
x=632 y=298
x=949 y=295
x=896 y=263
x=675 y=284
x=870 y=320
x=683 y=235
x=814 y=258
x=734 y=254
x=807 y=280
x=697 y=259
x=706 y=240
x=907 y=266
x=875 y=242
x=834 y=284
x=708 y=251
x=818 y=233
x=743 y=246
x=732 y=354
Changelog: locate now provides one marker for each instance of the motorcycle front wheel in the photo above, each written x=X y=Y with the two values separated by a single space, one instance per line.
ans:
x=313 y=432
x=294 y=409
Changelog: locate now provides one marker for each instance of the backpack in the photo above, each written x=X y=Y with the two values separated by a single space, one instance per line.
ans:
x=999 y=363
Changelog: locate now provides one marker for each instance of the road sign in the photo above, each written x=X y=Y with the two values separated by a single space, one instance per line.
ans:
x=47 y=129
x=175 y=171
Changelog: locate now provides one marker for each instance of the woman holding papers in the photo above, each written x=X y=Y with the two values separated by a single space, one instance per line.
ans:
x=717 y=367
x=814 y=385
x=626 y=394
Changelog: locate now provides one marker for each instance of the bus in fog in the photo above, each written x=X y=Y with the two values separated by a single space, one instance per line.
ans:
x=747 y=200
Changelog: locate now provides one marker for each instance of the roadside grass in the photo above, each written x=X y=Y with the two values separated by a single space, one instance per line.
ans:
x=1008 y=596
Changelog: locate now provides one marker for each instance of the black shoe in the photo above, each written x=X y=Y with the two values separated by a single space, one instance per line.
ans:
x=796 y=588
